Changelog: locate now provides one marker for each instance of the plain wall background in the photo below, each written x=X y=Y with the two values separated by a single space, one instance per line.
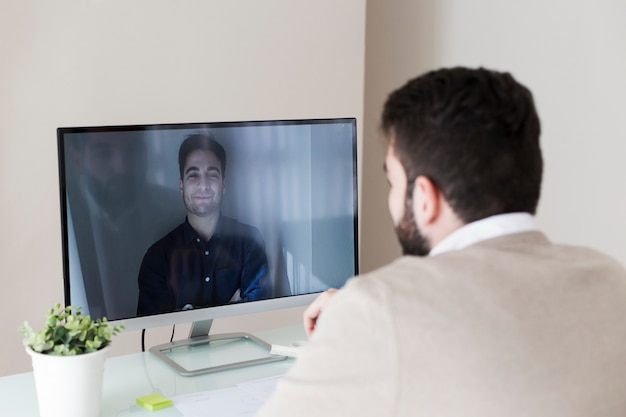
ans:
x=199 y=61
x=82 y=63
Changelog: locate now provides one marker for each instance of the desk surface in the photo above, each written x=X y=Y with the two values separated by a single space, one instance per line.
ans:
x=130 y=376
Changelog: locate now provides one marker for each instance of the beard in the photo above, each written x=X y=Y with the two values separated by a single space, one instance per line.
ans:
x=204 y=209
x=411 y=239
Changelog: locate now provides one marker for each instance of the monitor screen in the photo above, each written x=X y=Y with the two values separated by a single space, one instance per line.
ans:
x=172 y=223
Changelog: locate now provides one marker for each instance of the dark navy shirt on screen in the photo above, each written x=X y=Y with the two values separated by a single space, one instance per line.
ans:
x=181 y=271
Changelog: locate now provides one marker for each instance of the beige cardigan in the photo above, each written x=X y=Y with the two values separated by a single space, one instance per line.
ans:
x=511 y=326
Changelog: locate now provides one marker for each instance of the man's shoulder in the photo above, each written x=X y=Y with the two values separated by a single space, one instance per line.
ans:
x=384 y=281
x=172 y=238
x=504 y=261
x=231 y=222
x=234 y=227
x=535 y=244
x=401 y=267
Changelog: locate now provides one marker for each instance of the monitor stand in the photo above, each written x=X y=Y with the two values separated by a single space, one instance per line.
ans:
x=200 y=353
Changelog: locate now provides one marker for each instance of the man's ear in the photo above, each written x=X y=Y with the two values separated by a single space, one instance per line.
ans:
x=426 y=203
x=180 y=186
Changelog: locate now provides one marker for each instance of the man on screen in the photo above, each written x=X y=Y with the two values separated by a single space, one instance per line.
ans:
x=484 y=315
x=209 y=259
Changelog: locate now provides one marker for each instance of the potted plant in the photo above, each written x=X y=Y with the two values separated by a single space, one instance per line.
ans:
x=68 y=361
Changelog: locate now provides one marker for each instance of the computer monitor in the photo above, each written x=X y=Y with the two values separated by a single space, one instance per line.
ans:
x=287 y=229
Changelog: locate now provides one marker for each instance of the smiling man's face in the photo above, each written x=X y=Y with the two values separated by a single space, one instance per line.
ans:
x=203 y=183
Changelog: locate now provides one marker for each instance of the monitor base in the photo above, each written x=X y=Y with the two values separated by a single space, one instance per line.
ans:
x=203 y=353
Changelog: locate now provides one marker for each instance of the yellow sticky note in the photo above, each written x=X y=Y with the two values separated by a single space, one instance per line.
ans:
x=154 y=402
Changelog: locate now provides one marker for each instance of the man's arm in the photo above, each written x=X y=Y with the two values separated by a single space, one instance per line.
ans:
x=313 y=311
x=255 y=273
x=348 y=367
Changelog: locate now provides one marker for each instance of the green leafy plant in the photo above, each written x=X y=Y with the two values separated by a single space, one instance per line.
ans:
x=68 y=332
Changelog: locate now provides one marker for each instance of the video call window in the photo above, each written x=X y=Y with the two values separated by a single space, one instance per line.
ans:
x=292 y=182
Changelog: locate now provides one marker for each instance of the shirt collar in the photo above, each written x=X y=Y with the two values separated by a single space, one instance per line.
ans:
x=483 y=229
x=189 y=234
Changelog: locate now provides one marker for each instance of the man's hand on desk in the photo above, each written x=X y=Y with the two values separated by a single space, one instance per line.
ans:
x=313 y=311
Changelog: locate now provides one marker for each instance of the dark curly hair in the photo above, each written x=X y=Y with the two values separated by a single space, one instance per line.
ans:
x=474 y=133
x=203 y=141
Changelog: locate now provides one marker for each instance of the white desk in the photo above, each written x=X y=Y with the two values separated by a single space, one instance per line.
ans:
x=130 y=376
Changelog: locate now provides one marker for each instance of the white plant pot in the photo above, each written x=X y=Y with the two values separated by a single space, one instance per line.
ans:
x=68 y=386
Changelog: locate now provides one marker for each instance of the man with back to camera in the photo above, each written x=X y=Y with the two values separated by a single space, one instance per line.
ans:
x=210 y=259
x=483 y=316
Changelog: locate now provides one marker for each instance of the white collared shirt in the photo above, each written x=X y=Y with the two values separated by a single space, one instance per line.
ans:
x=487 y=228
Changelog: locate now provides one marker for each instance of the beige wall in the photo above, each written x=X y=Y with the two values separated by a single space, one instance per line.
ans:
x=77 y=62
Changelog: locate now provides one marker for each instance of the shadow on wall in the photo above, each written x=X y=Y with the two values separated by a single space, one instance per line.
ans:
x=402 y=42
